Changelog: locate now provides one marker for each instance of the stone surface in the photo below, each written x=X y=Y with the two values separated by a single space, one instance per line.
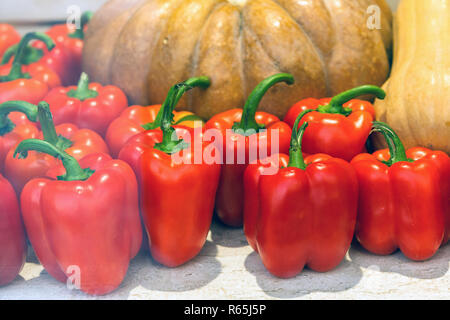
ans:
x=227 y=268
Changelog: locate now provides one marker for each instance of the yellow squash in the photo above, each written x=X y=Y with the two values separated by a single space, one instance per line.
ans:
x=417 y=105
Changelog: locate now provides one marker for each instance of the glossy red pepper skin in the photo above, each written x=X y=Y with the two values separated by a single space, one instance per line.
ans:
x=338 y=126
x=8 y=37
x=406 y=205
x=131 y=121
x=57 y=60
x=306 y=217
x=84 y=142
x=30 y=90
x=92 y=113
x=177 y=213
x=71 y=41
x=23 y=129
x=334 y=134
x=40 y=53
x=12 y=235
x=72 y=47
x=230 y=194
x=252 y=176
x=63 y=220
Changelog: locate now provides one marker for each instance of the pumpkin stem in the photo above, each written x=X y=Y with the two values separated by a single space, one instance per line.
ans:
x=336 y=104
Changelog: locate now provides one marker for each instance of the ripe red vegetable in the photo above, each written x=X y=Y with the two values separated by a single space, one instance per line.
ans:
x=339 y=126
x=177 y=198
x=29 y=83
x=68 y=137
x=16 y=124
x=12 y=236
x=83 y=220
x=89 y=105
x=71 y=41
x=404 y=199
x=8 y=37
x=303 y=215
x=137 y=119
x=257 y=130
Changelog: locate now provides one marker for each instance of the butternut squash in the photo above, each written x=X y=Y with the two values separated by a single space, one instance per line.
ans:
x=417 y=105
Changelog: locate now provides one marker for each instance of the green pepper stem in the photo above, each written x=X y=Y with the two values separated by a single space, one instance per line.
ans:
x=6 y=125
x=74 y=172
x=248 y=121
x=336 y=104
x=170 y=143
x=30 y=110
x=30 y=55
x=295 y=151
x=396 y=148
x=82 y=92
x=47 y=124
x=48 y=127
x=79 y=32
x=16 y=68
x=172 y=100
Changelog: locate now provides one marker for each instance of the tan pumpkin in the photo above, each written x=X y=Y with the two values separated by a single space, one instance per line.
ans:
x=417 y=105
x=145 y=46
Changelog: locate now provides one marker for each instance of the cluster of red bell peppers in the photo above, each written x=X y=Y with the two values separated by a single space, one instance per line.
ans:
x=88 y=167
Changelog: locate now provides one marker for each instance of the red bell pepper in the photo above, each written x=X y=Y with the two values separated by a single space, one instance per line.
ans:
x=404 y=199
x=252 y=176
x=12 y=236
x=177 y=198
x=244 y=130
x=84 y=225
x=8 y=37
x=137 y=119
x=306 y=213
x=76 y=142
x=53 y=57
x=339 y=126
x=71 y=41
x=89 y=105
x=16 y=124
x=27 y=82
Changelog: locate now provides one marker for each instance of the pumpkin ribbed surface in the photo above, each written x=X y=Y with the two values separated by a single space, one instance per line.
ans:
x=145 y=46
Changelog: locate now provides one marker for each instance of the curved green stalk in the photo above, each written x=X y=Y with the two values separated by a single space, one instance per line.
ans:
x=202 y=82
x=295 y=151
x=20 y=55
x=396 y=148
x=336 y=104
x=74 y=172
x=6 y=125
x=248 y=122
x=170 y=143
x=48 y=127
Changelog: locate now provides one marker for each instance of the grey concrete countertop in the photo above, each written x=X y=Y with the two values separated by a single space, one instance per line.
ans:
x=227 y=268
